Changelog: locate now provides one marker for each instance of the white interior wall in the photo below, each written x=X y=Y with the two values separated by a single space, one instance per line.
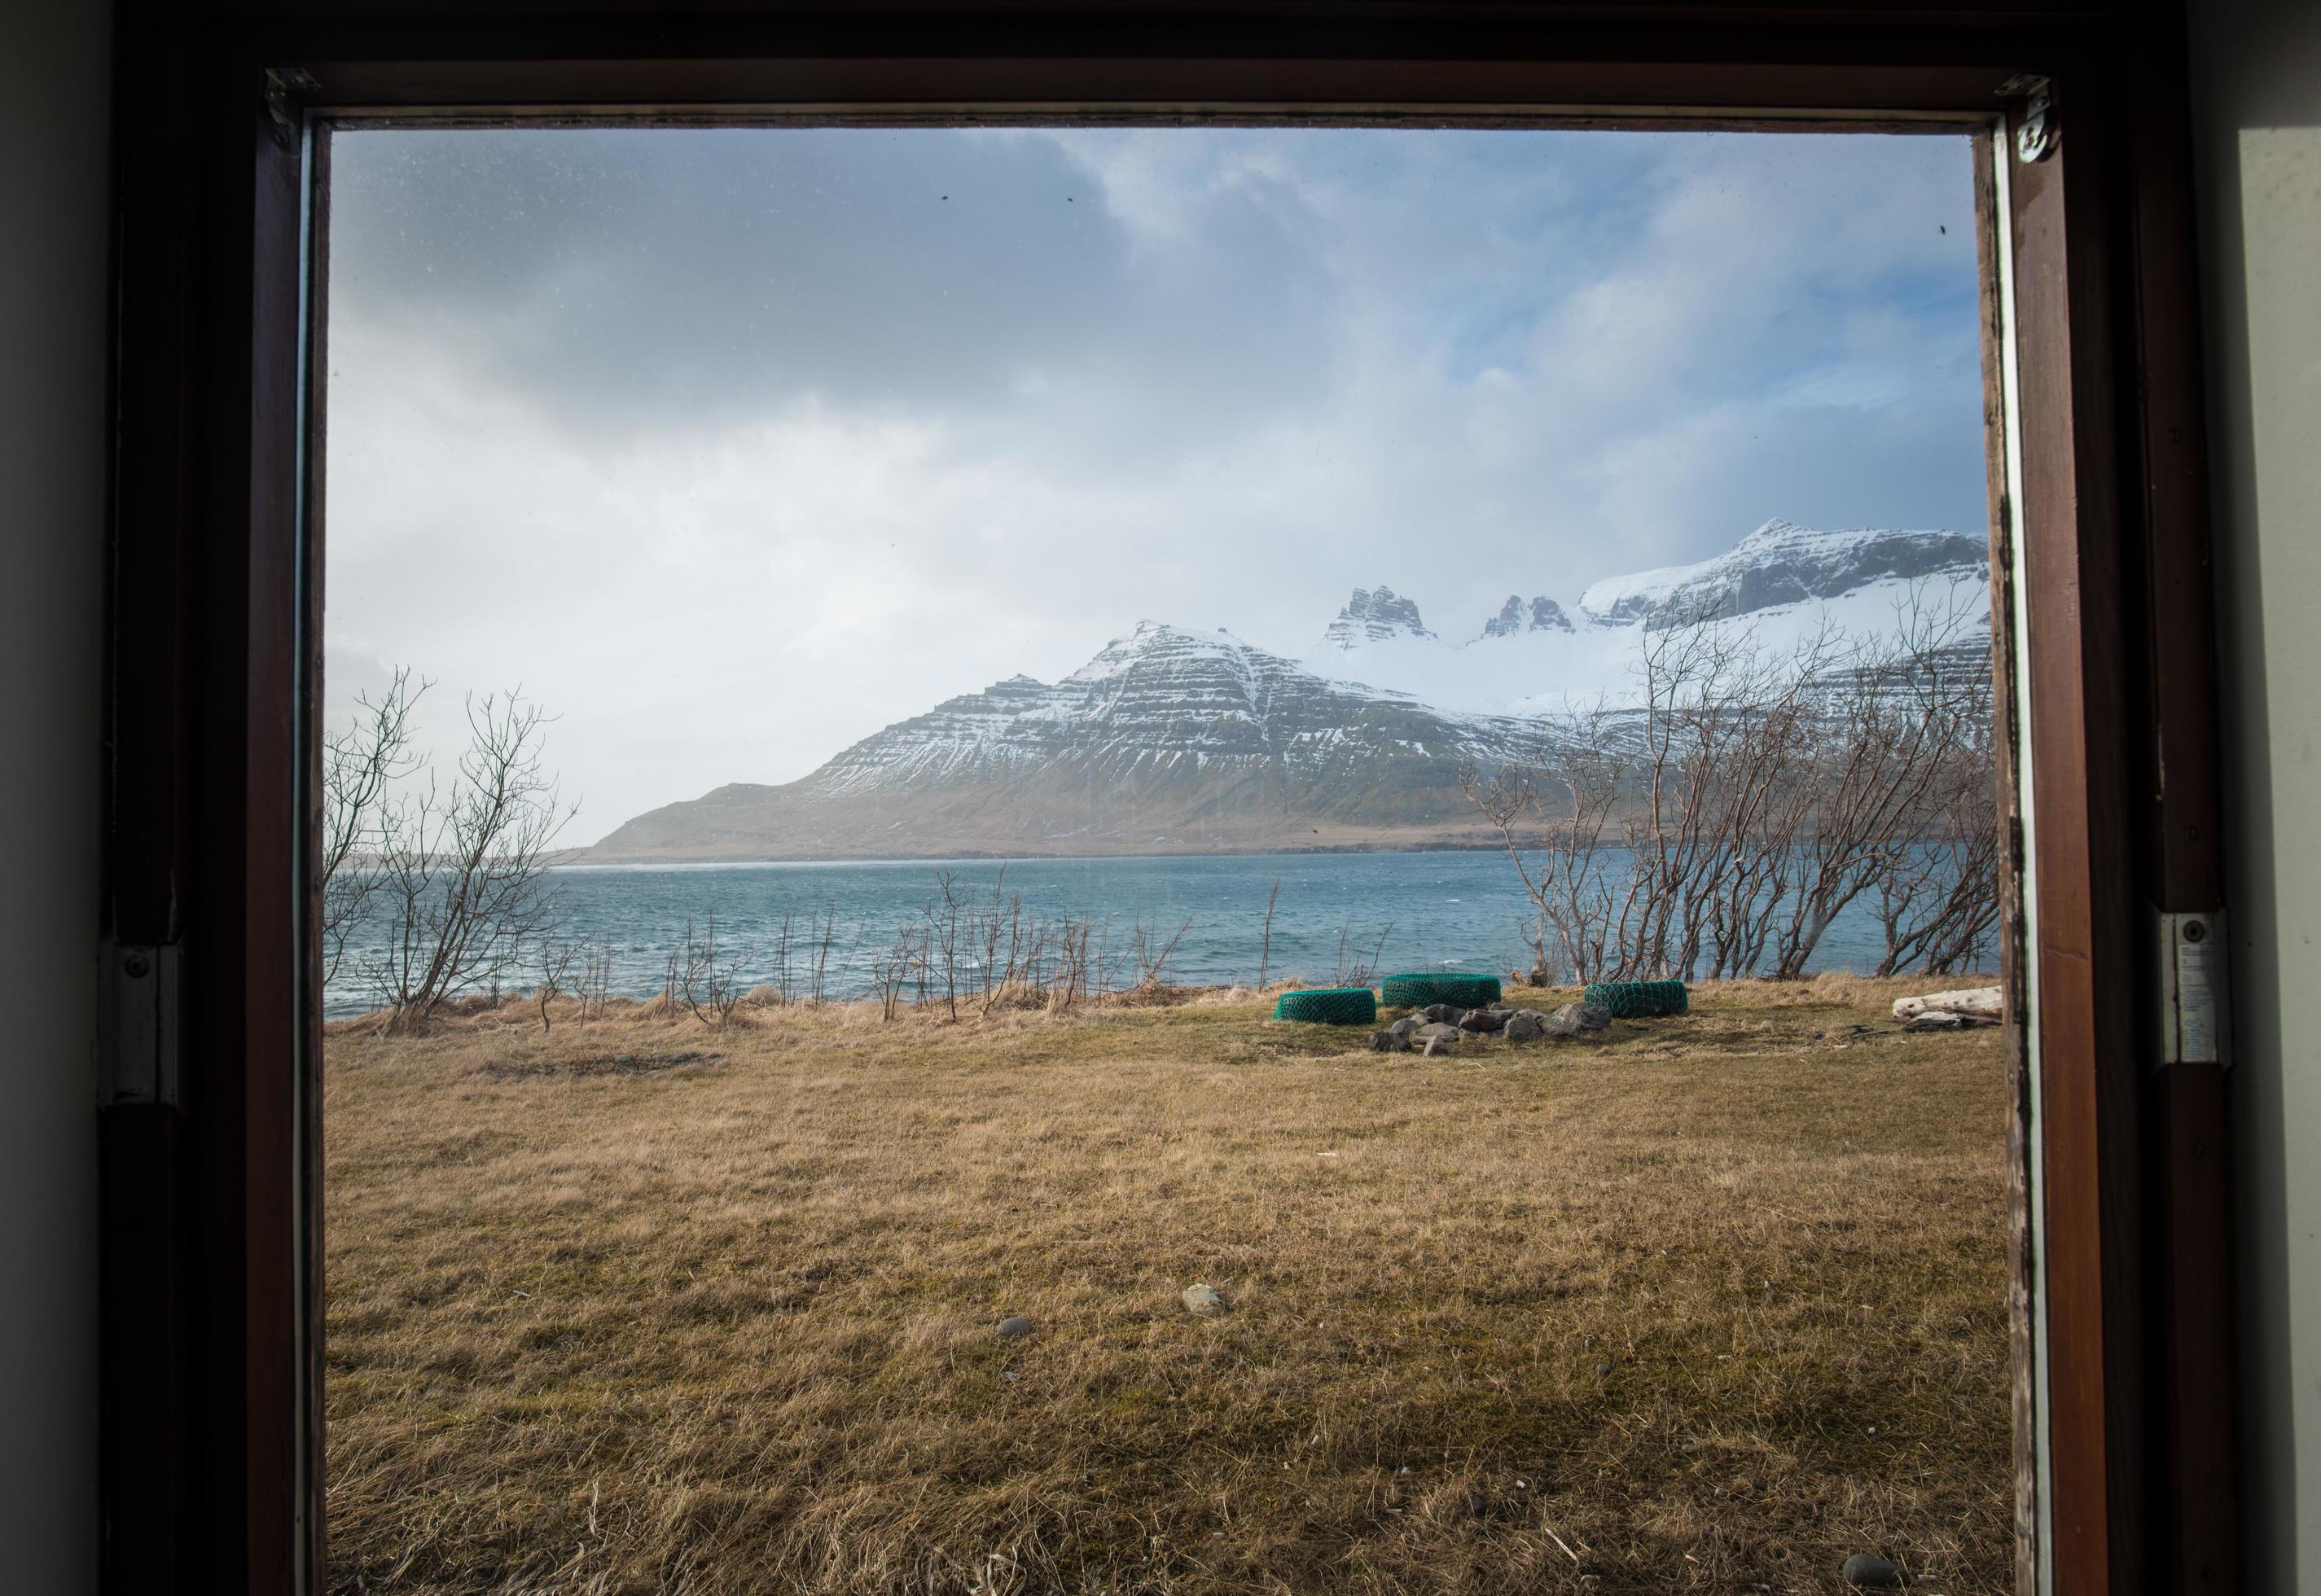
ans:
x=2256 y=79
x=53 y=269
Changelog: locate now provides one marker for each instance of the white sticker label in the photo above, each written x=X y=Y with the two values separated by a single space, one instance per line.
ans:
x=2195 y=1002
x=2192 y=977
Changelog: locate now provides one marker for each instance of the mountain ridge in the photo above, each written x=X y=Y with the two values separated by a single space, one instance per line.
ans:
x=1170 y=739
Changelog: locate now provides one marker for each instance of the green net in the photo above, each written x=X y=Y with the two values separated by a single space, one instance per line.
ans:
x=1414 y=991
x=1329 y=1005
x=1639 y=1000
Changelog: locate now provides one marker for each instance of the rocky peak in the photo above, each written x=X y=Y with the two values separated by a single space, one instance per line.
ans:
x=1515 y=617
x=1372 y=616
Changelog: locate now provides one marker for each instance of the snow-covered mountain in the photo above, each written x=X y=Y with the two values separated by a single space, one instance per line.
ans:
x=1786 y=581
x=1168 y=740
x=1780 y=566
x=1173 y=740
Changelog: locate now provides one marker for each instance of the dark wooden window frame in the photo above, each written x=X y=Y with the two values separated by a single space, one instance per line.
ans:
x=211 y=1216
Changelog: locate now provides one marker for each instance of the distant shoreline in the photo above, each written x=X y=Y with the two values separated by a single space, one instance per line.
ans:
x=980 y=857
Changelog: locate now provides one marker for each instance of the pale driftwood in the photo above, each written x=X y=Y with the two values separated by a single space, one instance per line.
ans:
x=1977 y=1002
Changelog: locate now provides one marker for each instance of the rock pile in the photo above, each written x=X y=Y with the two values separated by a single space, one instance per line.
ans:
x=1439 y=1027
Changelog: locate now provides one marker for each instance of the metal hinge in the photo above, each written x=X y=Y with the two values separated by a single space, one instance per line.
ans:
x=281 y=83
x=2034 y=118
x=2194 y=1019
x=137 y=1042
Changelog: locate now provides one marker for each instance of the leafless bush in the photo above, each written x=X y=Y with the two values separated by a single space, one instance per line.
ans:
x=1151 y=953
x=1067 y=978
x=463 y=870
x=824 y=931
x=1565 y=870
x=1938 y=901
x=1719 y=827
x=596 y=981
x=361 y=763
x=890 y=970
x=705 y=979
x=1906 y=743
x=782 y=958
x=1265 y=948
x=553 y=958
x=1362 y=969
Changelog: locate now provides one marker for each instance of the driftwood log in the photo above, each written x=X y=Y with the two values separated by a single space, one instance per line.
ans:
x=1976 y=1005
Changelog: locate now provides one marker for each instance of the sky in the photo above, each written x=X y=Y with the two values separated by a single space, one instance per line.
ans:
x=730 y=447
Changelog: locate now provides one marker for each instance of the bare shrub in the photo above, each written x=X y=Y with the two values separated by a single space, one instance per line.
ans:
x=1360 y=969
x=1718 y=829
x=553 y=958
x=362 y=763
x=463 y=868
x=705 y=979
x=1938 y=903
x=1153 y=955
x=1907 y=739
x=596 y=981
x=1265 y=948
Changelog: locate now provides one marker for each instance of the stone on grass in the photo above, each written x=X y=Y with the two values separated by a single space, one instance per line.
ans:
x=1481 y=1019
x=1204 y=1299
x=1874 y=1572
x=1437 y=1032
x=1386 y=1041
x=1015 y=1327
x=1586 y=1016
x=1436 y=1046
x=1524 y=1027
x=1443 y=1013
x=1405 y=1025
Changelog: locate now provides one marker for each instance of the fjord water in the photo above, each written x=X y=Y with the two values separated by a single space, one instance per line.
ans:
x=1448 y=910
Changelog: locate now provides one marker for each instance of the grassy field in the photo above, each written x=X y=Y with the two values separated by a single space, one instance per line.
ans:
x=1706 y=1303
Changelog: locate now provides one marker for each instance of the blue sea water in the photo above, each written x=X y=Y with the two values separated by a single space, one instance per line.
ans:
x=1443 y=909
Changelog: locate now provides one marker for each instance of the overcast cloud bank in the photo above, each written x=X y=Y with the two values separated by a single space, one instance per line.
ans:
x=733 y=446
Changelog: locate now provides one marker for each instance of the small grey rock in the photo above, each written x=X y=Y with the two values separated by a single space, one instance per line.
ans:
x=1560 y=1024
x=1585 y=1016
x=1524 y=1027
x=1015 y=1327
x=1875 y=1572
x=1603 y=1368
x=1443 y=1013
x=1405 y=1025
x=1438 y=1032
x=1204 y=1299
x=1386 y=1041
x=1481 y=1020
x=1436 y=1046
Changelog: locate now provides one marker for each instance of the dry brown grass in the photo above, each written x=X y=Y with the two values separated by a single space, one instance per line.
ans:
x=1705 y=1305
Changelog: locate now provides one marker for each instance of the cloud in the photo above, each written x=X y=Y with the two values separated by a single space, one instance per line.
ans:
x=734 y=445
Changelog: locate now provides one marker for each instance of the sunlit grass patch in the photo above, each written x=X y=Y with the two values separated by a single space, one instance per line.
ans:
x=1703 y=1303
